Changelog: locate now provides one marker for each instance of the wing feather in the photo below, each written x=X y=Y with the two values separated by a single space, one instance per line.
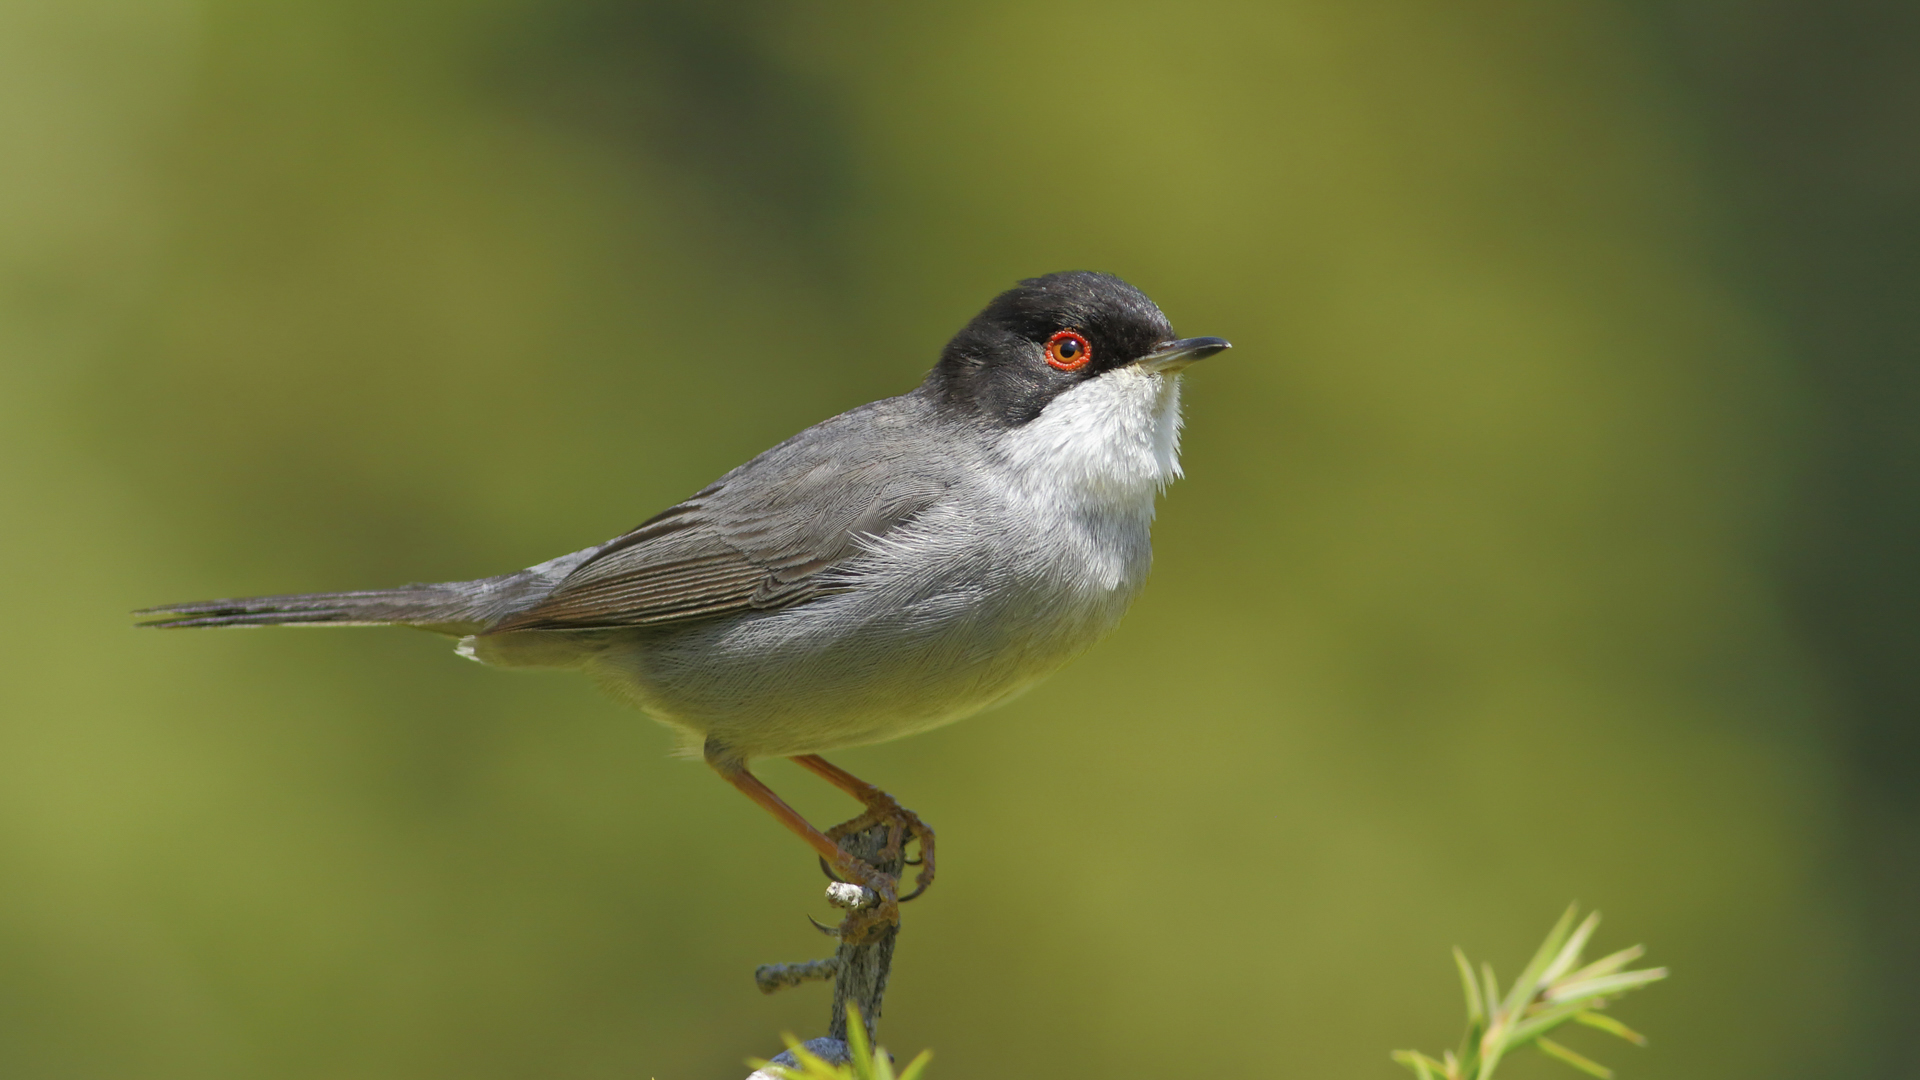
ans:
x=767 y=535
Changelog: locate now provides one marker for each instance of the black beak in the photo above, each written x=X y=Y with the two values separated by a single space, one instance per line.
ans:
x=1172 y=356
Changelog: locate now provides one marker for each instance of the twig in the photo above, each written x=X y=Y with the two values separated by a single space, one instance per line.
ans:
x=859 y=972
x=771 y=977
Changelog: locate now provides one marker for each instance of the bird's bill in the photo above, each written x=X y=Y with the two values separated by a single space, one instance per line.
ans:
x=1173 y=356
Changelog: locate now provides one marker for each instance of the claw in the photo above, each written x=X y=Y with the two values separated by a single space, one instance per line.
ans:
x=862 y=926
x=827 y=869
x=830 y=931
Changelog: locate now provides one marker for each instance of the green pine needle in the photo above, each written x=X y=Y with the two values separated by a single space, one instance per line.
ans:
x=1584 y=1064
x=1423 y=1066
x=1609 y=1025
x=1476 y=1011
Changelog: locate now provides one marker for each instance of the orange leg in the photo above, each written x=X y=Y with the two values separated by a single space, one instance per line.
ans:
x=859 y=925
x=901 y=822
x=751 y=786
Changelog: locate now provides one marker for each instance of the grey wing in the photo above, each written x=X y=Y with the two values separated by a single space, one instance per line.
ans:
x=768 y=535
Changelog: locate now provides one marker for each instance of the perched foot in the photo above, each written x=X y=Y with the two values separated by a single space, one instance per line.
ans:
x=858 y=888
x=864 y=923
x=903 y=825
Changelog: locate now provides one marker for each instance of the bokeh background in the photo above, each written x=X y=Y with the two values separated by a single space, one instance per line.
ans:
x=1550 y=534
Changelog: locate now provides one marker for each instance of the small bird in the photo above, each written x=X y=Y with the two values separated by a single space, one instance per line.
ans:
x=884 y=572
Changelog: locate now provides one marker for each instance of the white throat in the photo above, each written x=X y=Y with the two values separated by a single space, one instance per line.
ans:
x=1111 y=443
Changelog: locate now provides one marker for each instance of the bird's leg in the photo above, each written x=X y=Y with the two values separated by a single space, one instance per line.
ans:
x=902 y=823
x=859 y=925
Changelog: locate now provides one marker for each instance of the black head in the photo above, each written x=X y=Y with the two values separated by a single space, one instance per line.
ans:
x=1050 y=334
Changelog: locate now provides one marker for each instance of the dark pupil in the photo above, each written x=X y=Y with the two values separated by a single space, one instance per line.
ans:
x=1069 y=349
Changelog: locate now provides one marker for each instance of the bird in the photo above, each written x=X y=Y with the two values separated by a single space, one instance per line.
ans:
x=889 y=570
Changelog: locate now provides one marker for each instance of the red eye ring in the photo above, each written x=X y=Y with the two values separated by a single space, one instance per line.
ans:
x=1068 y=351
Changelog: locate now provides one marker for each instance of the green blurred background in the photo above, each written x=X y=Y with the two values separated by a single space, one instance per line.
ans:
x=1549 y=533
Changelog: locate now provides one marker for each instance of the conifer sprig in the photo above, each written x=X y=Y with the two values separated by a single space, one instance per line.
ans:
x=1552 y=990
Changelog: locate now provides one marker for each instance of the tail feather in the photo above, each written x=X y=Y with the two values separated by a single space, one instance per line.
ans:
x=456 y=607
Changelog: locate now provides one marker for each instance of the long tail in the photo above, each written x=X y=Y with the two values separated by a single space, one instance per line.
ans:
x=454 y=607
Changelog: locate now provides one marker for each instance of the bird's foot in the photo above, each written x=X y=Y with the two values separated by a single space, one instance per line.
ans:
x=903 y=827
x=870 y=912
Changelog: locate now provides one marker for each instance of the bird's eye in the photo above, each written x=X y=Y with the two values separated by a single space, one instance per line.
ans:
x=1068 y=351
